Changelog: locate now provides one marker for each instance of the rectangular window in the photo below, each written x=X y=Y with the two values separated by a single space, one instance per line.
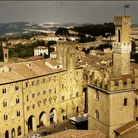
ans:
x=4 y=90
x=44 y=92
x=26 y=84
x=49 y=79
x=125 y=102
x=97 y=95
x=33 y=95
x=77 y=109
x=77 y=94
x=44 y=80
x=50 y=90
x=37 y=82
x=28 y=108
x=16 y=87
x=63 y=97
x=33 y=106
x=136 y=102
x=38 y=94
x=32 y=83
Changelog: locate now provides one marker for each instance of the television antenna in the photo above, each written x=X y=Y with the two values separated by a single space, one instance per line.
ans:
x=125 y=7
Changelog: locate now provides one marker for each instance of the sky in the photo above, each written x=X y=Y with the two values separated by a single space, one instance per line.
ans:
x=94 y=12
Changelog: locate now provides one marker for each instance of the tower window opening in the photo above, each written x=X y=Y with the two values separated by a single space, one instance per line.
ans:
x=97 y=114
x=125 y=102
x=97 y=95
x=119 y=36
x=136 y=102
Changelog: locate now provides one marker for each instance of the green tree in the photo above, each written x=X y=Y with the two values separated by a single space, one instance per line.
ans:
x=62 y=31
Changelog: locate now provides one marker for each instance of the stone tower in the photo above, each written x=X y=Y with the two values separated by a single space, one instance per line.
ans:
x=66 y=54
x=122 y=46
x=111 y=95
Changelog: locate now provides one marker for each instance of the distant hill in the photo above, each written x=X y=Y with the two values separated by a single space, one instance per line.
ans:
x=19 y=28
x=13 y=29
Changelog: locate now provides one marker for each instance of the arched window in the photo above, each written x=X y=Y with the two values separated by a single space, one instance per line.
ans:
x=5 y=103
x=18 y=113
x=77 y=109
x=5 y=117
x=19 y=131
x=6 y=55
x=44 y=101
x=125 y=101
x=16 y=87
x=63 y=97
x=96 y=114
x=13 y=133
x=27 y=98
x=17 y=100
x=119 y=35
x=3 y=90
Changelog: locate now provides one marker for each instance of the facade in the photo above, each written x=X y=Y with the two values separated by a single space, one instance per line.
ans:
x=112 y=96
x=40 y=50
x=37 y=93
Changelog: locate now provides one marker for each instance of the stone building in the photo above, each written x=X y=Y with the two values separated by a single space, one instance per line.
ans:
x=36 y=93
x=113 y=96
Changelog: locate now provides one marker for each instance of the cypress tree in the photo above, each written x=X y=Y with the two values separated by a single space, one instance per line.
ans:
x=1 y=53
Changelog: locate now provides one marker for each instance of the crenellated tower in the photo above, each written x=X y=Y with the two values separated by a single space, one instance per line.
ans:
x=122 y=46
x=111 y=95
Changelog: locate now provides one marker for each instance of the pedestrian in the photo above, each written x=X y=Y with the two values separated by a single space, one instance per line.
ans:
x=66 y=128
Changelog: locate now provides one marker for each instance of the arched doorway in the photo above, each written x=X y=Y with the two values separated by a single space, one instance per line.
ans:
x=19 y=131
x=42 y=119
x=53 y=116
x=13 y=133
x=31 y=123
x=7 y=134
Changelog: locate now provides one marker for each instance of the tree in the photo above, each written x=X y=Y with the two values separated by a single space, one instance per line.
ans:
x=1 y=53
x=62 y=31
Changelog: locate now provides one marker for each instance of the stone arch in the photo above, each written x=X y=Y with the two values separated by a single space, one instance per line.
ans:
x=31 y=123
x=7 y=134
x=42 y=118
x=53 y=115
x=19 y=131
x=13 y=133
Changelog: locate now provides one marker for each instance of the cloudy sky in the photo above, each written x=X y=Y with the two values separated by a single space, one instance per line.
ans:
x=65 y=11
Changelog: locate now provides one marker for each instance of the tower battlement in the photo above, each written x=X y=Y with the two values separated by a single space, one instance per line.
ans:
x=118 y=20
x=104 y=81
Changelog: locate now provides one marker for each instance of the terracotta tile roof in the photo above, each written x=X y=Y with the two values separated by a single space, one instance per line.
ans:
x=126 y=127
x=25 y=70
x=53 y=62
x=70 y=133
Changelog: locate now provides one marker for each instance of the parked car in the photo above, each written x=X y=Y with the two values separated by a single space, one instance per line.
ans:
x=45 y=133
x=36 y=136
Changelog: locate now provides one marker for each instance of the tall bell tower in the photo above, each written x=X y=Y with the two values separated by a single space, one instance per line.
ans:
x=122 y=46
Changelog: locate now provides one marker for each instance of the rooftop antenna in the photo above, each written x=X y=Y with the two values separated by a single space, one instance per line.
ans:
x=125 y=7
